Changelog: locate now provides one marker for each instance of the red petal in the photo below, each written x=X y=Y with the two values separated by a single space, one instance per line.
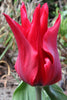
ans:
x=15 y=27
x=50 y=46
x=23 y=31
x=26 y=64
x=34 y=33
x=24 y=20
x=50 y=37
x=44 y=19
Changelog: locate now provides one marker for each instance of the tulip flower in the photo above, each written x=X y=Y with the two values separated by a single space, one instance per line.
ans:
x=38 y=61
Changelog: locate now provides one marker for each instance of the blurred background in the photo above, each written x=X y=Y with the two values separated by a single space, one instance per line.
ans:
x=8 y=48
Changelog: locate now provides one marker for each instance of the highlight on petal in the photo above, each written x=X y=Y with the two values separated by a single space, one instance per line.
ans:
x=24 y=20
x=36 y=15
x=44 y=18
x=34 y=33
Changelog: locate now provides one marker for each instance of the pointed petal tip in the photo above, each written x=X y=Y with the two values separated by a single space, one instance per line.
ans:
x=38 y=7
x=58 y=20
x=4 y=14
x=36 y=11
x=7 y=17
x=45 y=6
x=36 y=15
x=59 y=16
x=22 y=6
x=23 y=9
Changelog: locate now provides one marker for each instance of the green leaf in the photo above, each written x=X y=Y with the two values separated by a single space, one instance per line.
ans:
x=24 y=92
x=55 y=92
x=27 y=92
x=45 y=96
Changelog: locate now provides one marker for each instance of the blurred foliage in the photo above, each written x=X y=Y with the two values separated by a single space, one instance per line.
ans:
x=62 y=36
x=63 y=27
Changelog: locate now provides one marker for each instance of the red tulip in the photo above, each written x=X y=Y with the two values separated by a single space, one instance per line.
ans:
x=38 y=60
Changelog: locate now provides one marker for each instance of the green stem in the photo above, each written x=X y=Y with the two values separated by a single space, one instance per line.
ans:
x=38 y=93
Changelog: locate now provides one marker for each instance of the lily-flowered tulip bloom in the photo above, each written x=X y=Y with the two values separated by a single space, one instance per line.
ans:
x=38 y=60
